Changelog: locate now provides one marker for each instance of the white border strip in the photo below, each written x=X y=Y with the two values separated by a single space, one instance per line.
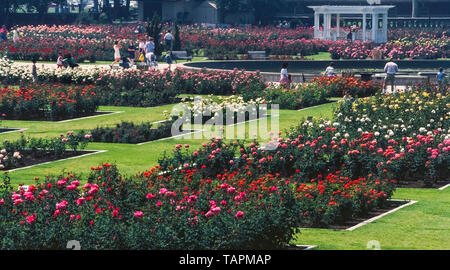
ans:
x=105 y=113
x=332 y=101
x=17 y=129
x=85 y=155
x=171 y=137
x=382 y=215
x=252 y=120
x=444 y=187
x=306 y=247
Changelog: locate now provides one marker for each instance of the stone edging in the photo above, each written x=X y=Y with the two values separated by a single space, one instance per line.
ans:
x=84 y=155
x=381 y=215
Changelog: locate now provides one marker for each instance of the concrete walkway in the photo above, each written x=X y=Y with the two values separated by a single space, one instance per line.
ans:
x=161 y=66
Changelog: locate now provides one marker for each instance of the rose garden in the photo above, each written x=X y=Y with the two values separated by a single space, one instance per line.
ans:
x=89 y=153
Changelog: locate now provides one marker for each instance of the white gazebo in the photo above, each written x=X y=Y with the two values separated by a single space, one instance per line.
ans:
x=376 y=13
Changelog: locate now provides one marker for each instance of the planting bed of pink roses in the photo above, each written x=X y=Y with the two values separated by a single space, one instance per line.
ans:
x=92 y=42
x=404 y=44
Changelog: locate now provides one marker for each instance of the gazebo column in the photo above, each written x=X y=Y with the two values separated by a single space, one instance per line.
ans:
x=364 y=26
x=328 y=25
x=374 y=26
x=385 y=27
x=316 y=24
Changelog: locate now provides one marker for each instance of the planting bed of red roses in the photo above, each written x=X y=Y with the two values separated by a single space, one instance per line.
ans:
x=180 y=210
x=48 y=102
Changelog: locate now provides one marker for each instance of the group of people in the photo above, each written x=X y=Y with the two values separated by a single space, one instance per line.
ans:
x=144 y=52
x=4 y=34
x=391 y=69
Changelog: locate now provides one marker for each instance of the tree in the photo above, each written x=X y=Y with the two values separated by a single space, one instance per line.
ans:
x=225 y=7
x=81 y=6
x=176 y=38
x=154 y=31
x=41 y=6
x=265 y=10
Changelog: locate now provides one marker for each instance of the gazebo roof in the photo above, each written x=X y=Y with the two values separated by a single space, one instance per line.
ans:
x=351 y=9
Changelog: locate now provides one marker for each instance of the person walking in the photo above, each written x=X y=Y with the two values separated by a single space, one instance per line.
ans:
x=441 y=78
x=117 y=48
x=34 y=70
x=131 y=52
x=4 y=33
x=168 y=58
x=59 y=61
x=168 y=37
x=141 y=50
x=15 y=36
x=284 y=76
x=391 y=69
x=149 y=52
x=329 y=71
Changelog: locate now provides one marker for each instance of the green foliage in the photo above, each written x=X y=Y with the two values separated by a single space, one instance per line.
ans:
x=177 y=38
x=128 y=132
x=154 y=30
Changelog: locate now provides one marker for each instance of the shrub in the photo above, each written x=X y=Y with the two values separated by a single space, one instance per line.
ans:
x=128 y=132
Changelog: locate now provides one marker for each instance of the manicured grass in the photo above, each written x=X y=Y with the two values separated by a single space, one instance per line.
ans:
x=320 y=56
x=130 y=158
x=423 y=225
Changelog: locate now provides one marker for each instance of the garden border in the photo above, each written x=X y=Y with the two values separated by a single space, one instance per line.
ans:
x=444 y=187
x=331 y=101
x=84 y=155
x=15 y=130
x=193 y=131
x=86 y=117
x=370 y=220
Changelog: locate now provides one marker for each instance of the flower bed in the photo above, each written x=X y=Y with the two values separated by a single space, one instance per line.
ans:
x=140 y=88
x=31 y=151
x=297 y=97
x=412 y=45
x=128 y=132
x=95 y=42
x=48 y=102
x=368 y=136
x=205 y=110
x=178 y=211
x=339 y=86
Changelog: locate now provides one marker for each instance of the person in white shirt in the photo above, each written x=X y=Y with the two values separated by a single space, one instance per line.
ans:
x=329 y=72
x=284 y=76
x=168 y=37
x=117 y=48
x=391 y=69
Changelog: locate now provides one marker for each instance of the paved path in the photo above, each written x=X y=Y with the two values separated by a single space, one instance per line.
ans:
x=161 y=66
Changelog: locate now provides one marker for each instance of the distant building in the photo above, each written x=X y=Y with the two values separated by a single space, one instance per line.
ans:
x=405 y=9
x=189 y=11
x=201 y=11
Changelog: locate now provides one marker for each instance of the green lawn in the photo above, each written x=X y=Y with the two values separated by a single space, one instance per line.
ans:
x=320 y=56
x=423 y=225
